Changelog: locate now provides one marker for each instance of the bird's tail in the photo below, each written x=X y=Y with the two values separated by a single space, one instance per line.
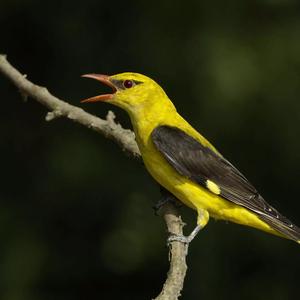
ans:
x=283 y=225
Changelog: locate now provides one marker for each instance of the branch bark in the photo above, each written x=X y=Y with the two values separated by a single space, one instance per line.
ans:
x=174 y=283
x=59 y=108
x=126 y=140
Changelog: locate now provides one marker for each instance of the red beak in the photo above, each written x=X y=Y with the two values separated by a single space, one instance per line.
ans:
x=104 y=79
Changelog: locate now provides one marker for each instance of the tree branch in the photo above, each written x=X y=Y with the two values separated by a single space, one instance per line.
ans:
x=178 y=251
x=126 y=140
x=60 y=108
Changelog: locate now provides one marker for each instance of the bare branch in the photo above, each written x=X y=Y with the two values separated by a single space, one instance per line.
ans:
x=59 y=108
x=178 y=251
x=126 y=140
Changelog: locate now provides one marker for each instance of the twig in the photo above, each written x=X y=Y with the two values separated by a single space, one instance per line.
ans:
x=60 y=108
x=126 y=140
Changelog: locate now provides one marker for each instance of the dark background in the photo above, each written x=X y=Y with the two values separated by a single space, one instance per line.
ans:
x=75 y=213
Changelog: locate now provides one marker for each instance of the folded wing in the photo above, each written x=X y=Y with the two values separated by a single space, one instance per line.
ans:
x=210 y=170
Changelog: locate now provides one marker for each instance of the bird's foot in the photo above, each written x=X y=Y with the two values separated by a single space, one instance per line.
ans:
x=182 y=238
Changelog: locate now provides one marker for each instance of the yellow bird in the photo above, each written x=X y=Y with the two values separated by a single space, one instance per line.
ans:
x=182 y=161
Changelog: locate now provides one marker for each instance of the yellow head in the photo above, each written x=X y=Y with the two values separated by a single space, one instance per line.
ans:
x=135 y=93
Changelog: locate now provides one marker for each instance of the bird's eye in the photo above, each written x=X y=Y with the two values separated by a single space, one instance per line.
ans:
x=128 y=84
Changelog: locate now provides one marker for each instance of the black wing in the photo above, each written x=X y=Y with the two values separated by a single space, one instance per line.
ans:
x=202 y=165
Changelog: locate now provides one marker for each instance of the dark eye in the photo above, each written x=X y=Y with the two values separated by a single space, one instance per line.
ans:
x=128 y=84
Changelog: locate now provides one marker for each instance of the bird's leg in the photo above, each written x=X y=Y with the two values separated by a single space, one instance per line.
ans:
x=202 y=220
x=166 y=197
x=182 y=238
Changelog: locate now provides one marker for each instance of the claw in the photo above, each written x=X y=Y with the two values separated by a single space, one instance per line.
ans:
x=178 y=238
x=182 y=238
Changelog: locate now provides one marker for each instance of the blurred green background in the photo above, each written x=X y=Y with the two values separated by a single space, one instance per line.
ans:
x=75 y=213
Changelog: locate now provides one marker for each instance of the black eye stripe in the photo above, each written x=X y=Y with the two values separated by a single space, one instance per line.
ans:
x=120 y=83
x=137 y=82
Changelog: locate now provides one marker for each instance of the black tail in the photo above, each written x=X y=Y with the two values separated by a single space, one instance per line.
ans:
x=283 y=226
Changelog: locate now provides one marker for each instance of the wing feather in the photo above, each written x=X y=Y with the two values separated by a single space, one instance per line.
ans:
x=201 y=164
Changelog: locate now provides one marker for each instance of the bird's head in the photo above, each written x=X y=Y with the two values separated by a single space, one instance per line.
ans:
x=131 y=91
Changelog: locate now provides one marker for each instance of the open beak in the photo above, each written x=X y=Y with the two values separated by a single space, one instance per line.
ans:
x=104 y=79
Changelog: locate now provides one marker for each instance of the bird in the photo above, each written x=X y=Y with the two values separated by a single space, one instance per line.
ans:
x=185 y=163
